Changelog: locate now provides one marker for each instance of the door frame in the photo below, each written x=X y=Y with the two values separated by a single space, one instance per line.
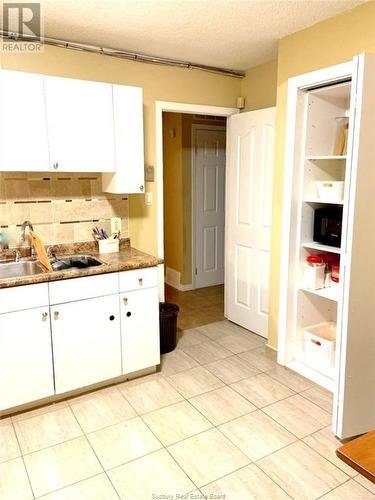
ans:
x=174 y=107
x=194 y=128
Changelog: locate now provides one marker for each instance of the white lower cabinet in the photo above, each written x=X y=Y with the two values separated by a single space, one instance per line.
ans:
x=86 y=342
x=26 y=372
x=140 y=329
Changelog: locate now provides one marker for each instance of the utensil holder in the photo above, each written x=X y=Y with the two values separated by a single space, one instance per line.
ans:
x=109 y=246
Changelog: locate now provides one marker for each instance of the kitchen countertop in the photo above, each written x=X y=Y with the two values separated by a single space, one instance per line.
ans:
x=126 y=259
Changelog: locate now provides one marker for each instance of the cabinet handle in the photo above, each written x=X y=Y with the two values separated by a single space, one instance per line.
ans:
x=56 y=165
x=125 y=301
x=44 y=316
x=56 y=315
x=140 y=281
x=111 y=318
x=128 y=314
x=141 y=188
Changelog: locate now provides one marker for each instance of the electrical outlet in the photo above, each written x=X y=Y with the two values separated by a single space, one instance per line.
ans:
x=115 y=225
x=148 y=198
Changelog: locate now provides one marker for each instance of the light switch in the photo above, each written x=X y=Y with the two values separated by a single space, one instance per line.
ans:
x=148 y=198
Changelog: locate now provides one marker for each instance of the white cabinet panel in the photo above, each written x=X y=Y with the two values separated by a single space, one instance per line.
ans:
x=86 y=342
x=26 y=372
x=23 y=127
x=137 y=279
x=129 y=153
x=140 y=329
x=23 y=297
x=83 y=288
x=80 y=125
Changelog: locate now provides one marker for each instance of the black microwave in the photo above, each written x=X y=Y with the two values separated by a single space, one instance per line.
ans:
x=328 y=226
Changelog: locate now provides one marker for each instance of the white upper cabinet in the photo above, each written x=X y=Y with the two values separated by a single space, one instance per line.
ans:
x=129 y=153
x=23 y=126
x=59 y=124
x=80 y=125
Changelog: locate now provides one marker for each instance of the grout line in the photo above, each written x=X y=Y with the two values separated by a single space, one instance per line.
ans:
x=23 y=461
x=333 y=489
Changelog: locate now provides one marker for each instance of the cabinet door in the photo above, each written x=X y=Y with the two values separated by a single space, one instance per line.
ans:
x=86 y=342
x=128 y=124
x=26 y=372
x=80 y=125
x=23 y=127
x=140 y=329
x=354 y=404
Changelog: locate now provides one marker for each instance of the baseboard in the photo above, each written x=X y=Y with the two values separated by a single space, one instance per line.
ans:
x=173 y=278
x=271 y=347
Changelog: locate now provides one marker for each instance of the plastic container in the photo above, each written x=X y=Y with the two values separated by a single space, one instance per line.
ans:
x=328 y=259
x=314 y=273
x=320 y=346
x=168 y=314
x=335 y=273
x=110 y=245
x=330 y=191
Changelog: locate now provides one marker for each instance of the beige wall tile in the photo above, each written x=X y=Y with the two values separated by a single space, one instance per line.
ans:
x=14 y=483
x=66 y=463
x=17 y=213
x=40 y=213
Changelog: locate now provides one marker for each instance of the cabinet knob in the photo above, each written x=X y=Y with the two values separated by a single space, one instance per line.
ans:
x=141 y=188
x=56 y=165
x=111 y=318
x=44 y=316
x=125 y=301
x=56 y=315
x=140 y=281
x=128 y=314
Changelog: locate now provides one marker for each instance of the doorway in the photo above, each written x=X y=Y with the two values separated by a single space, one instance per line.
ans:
x=194 y=153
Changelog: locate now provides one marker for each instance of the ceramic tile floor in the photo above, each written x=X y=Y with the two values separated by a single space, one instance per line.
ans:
x=220 y=418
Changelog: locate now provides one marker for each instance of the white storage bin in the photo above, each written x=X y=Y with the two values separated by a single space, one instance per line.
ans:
x=330 y=191
x=320 y=346
x=109 y=245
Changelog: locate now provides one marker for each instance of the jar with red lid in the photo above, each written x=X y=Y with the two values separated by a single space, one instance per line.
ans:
x=336 y=272
x=314 y=272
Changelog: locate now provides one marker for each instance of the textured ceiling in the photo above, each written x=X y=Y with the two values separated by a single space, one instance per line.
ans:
x=233 y=34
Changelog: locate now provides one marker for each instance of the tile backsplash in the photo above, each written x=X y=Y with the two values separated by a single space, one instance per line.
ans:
x=63 y=207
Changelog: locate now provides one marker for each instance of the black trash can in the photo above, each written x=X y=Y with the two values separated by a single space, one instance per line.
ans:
x=168 y=326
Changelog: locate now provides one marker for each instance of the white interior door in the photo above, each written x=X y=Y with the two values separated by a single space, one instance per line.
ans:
x=209 y=172
x=251 y=138
x=354 y=404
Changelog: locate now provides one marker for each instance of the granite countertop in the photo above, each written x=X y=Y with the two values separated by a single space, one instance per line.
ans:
x=126 y=259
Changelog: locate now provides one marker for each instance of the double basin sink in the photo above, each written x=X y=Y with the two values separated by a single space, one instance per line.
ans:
x=25 y=268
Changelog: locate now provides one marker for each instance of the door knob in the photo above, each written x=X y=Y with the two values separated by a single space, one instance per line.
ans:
x=125 y=301
x=56 y=315
x=44 y=316
x=141 y=188
x=111 y=318
x=128 y=314
x=56 y=165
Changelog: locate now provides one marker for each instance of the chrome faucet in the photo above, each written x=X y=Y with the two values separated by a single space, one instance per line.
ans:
x=28 y=224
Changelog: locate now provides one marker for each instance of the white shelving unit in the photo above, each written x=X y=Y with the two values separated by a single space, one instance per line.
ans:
x=315 y=102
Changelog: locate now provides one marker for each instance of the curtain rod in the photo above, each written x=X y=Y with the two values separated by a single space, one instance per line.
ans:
x=132 y=56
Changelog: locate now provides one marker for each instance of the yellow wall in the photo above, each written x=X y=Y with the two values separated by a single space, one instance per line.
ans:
x=173 y=185
x=158 y=83
x=327 y=43
x=259 y=86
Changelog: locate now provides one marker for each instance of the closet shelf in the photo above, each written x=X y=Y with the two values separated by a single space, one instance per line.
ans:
x=326 y=157
x=317 y=200
x=323 y=248
x=330 y=293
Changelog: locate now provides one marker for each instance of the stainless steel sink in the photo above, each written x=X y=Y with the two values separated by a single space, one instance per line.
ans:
x=69 y=262
x=59 y=264
x=19 y=269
